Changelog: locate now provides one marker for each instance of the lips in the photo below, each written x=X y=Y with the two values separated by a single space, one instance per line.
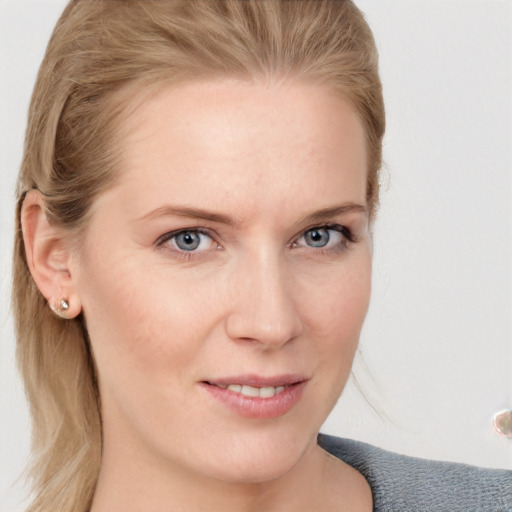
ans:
x=257 y=397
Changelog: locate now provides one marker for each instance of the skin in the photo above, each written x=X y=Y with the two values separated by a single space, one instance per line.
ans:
x=253 y=298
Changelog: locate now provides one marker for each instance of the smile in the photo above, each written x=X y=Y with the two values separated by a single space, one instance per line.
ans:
x=264 y=392
x=257 y=397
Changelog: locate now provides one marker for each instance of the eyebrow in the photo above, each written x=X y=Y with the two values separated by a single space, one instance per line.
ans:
x=333 y=211
x=185 y=211
x=200 y=214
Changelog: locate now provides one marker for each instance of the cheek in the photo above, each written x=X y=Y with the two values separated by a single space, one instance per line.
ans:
x=141 y=322
x=337 y=314
x=146 y=336
x=338 y=304
x=334 y=311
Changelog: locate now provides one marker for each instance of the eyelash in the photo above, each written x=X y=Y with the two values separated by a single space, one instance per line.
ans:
x=348 y=238
x=161 y=241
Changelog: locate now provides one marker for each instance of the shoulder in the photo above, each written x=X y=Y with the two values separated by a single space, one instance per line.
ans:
x=401 y=484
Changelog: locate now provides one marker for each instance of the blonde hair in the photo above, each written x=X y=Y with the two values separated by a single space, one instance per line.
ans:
x=101 y=52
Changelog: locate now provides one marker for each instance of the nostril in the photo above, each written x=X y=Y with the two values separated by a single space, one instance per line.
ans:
x=261 y=332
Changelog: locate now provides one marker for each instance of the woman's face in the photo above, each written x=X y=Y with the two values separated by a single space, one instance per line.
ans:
x=225 y=277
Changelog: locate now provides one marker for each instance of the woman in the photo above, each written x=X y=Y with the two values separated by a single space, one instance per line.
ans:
x=194 y=209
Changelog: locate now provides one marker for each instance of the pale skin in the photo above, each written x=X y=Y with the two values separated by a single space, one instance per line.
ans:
x=272 y=277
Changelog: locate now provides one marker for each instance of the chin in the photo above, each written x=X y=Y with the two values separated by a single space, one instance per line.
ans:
x=251 y=471
x=259 y=458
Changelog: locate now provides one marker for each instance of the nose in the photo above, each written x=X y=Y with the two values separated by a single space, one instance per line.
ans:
x=264 y=309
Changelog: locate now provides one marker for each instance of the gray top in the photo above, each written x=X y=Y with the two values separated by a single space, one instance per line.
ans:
x=407 y=484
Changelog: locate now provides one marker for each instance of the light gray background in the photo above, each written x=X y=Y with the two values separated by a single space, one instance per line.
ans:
x=438 y=340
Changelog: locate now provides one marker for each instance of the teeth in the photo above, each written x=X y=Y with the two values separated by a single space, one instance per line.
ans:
x=266 y=392
x=250 y=391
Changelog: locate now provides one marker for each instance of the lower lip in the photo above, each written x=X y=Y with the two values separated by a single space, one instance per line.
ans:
x=256 y=407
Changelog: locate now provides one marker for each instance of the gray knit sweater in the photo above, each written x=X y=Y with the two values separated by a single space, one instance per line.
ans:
x=407 y=484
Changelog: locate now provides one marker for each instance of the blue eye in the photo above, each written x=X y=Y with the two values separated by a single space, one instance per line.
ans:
x=325 y=237
x=317 y=237
x=189 y=240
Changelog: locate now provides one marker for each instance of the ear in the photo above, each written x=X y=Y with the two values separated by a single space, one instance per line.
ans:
x=48 y=256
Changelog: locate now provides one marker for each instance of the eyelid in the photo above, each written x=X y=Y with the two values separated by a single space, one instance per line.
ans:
x=161 y=240
x=344 y=230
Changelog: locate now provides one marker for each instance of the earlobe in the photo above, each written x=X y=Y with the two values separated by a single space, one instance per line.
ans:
x=48 y=256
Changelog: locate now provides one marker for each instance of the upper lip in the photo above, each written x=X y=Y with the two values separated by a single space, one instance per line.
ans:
x=259 y=381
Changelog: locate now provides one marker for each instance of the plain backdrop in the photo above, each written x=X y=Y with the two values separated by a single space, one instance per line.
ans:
x=437 y=345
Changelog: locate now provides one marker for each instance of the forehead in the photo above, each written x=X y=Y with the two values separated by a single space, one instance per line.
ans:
x=224 y=141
